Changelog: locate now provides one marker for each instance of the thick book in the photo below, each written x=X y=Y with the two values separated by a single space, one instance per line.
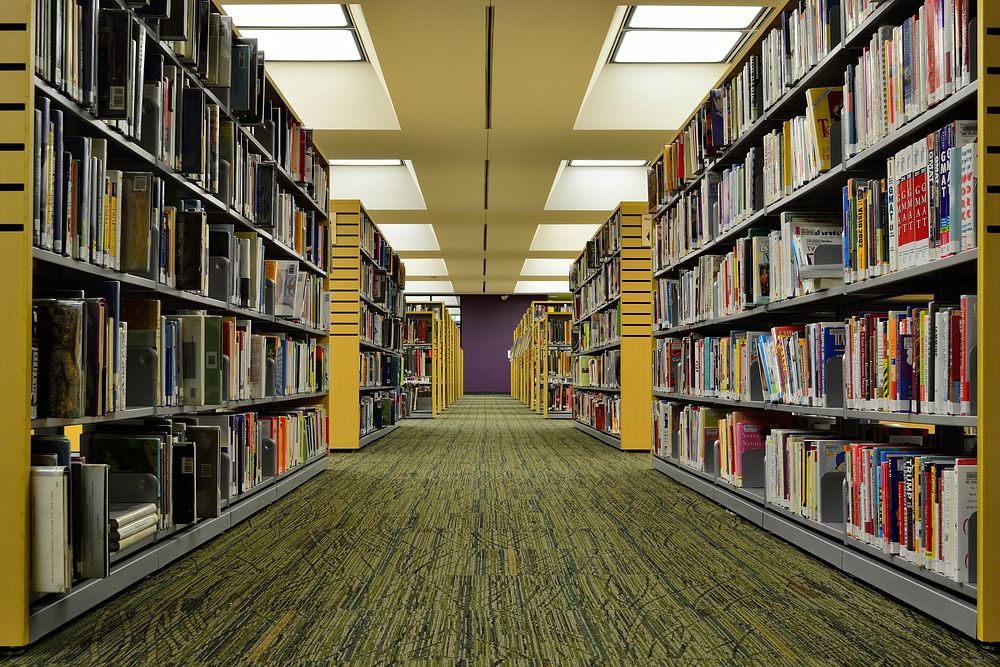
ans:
x=134 y=539
x=139 y=226
x=208 y=447
x=92 y=560
x=61 y=346
x=191 y=251
x=113 y=58
x=124 y=514
x=51 y=549
x=184 y=465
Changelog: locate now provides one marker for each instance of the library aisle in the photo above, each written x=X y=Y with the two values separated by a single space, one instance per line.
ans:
x=493 y=534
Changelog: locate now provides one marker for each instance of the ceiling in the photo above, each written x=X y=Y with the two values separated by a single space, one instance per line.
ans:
x=425 y=101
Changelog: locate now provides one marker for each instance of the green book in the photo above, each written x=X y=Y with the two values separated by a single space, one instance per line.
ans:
x=213 y=360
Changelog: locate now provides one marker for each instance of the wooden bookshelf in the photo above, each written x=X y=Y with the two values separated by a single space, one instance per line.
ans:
x=624 y=264
x=361 y=260
x=971 y=608
x=25 y=269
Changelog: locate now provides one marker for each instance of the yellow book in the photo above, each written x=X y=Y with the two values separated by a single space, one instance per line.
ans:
x=823 y=108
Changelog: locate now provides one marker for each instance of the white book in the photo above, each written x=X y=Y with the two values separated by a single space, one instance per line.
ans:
x=966 y=504
x=51 y=550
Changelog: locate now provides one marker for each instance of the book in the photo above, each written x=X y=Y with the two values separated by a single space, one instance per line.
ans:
x=51 y=549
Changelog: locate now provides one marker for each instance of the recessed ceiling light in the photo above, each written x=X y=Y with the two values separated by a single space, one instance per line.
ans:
x=425 y=267
x=430 y=286
x=607 y=163
x=451 y=301
x=548 y=266
x=366 y=163
x=291 y=44
x=570 y=237
x=676 y=46
x=693 y=16
x=541 y=287
x=410 y=237
x=288 y=16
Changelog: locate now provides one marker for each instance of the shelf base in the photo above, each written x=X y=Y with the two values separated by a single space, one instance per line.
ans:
x=560 y=415
x=606 y=438
x=51 y=613
x=381 y=433
x=952 y=610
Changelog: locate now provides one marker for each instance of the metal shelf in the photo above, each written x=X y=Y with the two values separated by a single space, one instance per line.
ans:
x=51 y=612
x=932 y=594
x=606 y=438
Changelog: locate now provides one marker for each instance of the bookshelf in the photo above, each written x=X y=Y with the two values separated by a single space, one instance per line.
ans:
x=611 y=331
x=205 y=262
x=520 y=375
x=537 y=353
x=721 y=339
x=434 y=359
x=366 y=286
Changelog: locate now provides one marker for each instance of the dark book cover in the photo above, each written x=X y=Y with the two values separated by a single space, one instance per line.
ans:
x=204 y=23
x=113 y=56
x=93 y=360
x=177 y=26
x=208 y=447
x=240 y=78
x=193 y=132
x=61 y=348
x=183 y=467
x=191 y=250
x=59 y=171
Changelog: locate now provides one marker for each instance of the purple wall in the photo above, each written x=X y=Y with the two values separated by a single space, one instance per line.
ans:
x=487 y=333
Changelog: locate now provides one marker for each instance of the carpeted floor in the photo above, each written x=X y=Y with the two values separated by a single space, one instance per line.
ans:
x=490 y=534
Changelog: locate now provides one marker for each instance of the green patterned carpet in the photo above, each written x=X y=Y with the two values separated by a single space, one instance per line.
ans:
x=492 y=535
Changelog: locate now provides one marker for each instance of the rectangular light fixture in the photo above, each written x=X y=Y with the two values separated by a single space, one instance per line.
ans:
x=434 y=268
x=676 y=46
x=289 y=16
x=366 y=163
x=430 y=286
x=410 y=237
x=695 y=17
x=306 y=45
x=548 y=266
x=570 y=237
x=607 y=163
x=542 y=287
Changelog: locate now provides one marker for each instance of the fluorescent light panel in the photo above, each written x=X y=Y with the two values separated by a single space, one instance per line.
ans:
x=676 y=46
x=607 y=163
x=693 y=16
x=570 y=237
x=548 y=266
x=289 y=16
x=430 y=286
x=410 y=237
x=425 y=267
x=291 y=44
x=541 y=286
x=366 y=163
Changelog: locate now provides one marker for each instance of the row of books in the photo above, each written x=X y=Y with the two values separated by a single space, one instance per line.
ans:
x=917 y=360
x=559 y=331
x=379 y=329
x=907 y=69
x=379 y=369
x=598 y=410
x=601 y=370
x=603 y=328
x=702 y=215
x=560 y=364
x=803 y=37
x=560 y=398
x=138 y=480
x=379 y=288
x=856 y=11
x=803 y=148
x=111 y=63
x=902 y=493
x=605 y=244
x=418 y=363
x=380 y=409
x=923 y=210
x=417 y=330
x=603 y=286
x=765 y=266
x=375 y=245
